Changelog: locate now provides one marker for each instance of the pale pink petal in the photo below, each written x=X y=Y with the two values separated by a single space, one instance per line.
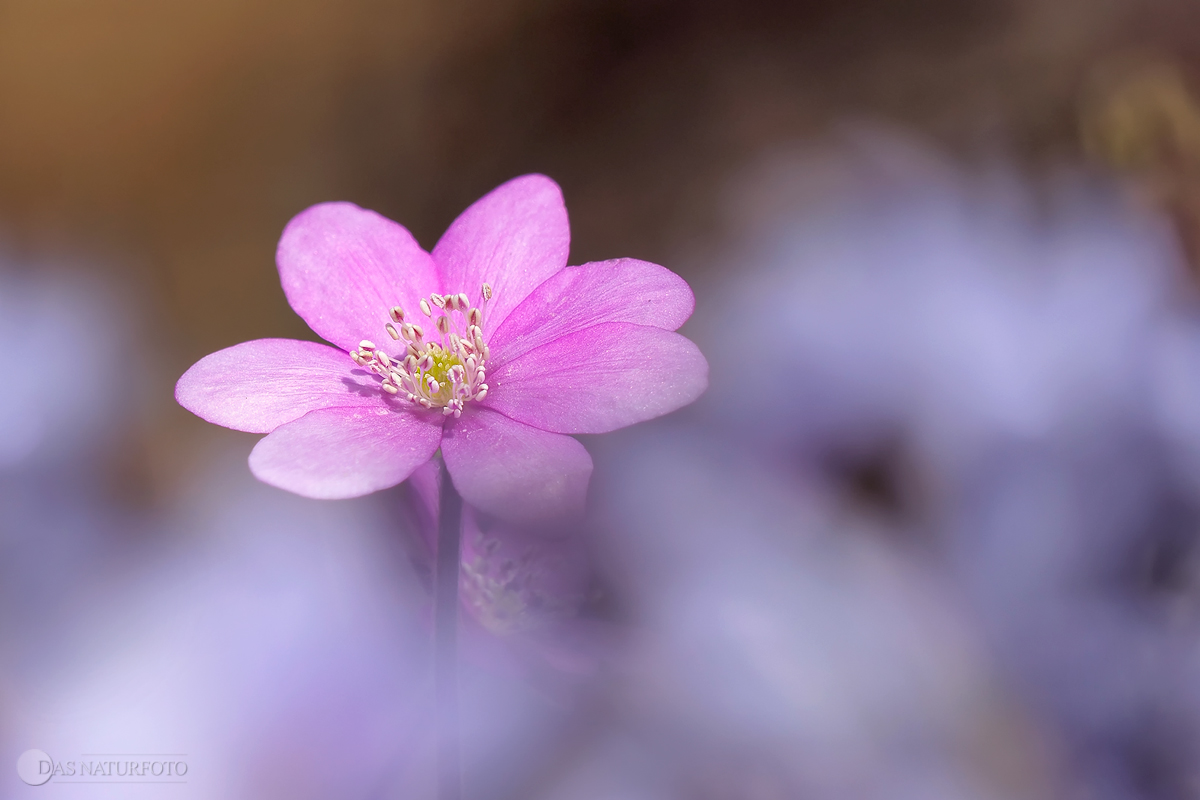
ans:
x=514 y=471
x=600 y=379
x=334 y=453
x=342 y=268
x=512 y=238
x=258 y=386
x=621 y=290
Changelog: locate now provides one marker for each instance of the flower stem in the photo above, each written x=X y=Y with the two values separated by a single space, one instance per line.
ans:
x=445 y=658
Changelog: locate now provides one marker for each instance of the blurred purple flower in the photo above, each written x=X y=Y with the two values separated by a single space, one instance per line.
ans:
x=512 y=352
x=523 y=587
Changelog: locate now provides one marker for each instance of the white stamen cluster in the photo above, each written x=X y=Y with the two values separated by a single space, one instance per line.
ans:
x=435 y=374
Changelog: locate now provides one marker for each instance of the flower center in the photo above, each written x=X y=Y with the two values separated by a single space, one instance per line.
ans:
x=444 y=371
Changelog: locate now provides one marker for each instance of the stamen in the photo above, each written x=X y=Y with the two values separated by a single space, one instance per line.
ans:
x=443 y=374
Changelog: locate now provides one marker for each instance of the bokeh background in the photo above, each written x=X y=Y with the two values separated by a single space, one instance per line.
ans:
x=931 y=534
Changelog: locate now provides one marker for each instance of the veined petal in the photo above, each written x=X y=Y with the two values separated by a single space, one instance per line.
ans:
x=512 y=238
x=514 y=471
x=258 y=386
x=342 y=268
x=621 y=290
x=334 y=453
x=600 y=379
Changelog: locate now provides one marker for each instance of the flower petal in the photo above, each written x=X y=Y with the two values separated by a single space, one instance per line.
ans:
x=334 y=453
x=600 y=379
x=513 y=238
x=516 y=472
x=342 y=268
x=621 y=290
x=258 y=386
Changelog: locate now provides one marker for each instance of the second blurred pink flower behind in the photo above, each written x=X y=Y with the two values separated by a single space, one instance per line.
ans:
x=488 y=347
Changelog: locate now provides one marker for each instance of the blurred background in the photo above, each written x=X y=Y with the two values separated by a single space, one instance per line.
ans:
x=931 y=534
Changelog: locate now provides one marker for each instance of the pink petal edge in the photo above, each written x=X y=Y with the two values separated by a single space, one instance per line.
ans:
x=336 y=453
x=342 y=267
x=600 y=379
x=620 y=290
x=514 y=471
x=259 y=385
x=513 y=238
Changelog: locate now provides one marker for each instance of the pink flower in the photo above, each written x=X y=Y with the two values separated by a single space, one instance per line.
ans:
x=488 y=347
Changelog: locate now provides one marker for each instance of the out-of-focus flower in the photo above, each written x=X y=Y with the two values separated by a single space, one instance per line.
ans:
x=522 y=588
x=778 y=648
x=512 y=351
x=940 y=307
x=1030 y=353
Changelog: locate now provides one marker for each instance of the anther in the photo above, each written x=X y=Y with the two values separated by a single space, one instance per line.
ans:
x=444 y=373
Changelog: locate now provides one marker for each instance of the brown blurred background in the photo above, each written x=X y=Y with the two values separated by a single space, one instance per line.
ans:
x=169 y=143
